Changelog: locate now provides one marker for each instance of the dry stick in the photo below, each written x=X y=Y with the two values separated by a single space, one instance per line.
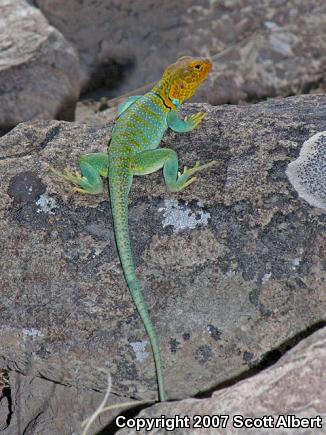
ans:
x=125 y=404
x=142 y=90
x=88 y=422
x=100 y=409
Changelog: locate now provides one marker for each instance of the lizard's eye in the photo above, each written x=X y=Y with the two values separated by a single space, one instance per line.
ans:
x=198 y=66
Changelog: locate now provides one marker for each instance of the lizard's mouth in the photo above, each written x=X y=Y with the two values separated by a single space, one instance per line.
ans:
x=207 y=67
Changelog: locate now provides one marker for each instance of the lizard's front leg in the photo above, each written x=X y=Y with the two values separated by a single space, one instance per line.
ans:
x=183 y=125
x=152 y=160
x=92 y=167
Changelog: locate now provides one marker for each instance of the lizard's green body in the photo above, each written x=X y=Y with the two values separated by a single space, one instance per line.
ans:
x=133 y=150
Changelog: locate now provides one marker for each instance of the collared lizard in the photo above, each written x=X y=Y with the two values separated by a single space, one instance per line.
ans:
x=134 y=150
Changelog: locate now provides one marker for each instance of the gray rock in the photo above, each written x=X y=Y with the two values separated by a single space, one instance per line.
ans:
x=40 y=407
x=39 y=69
x=231 y=267
x=133 y=41
x=261 y=49
x=274 y=61
x=295 y=386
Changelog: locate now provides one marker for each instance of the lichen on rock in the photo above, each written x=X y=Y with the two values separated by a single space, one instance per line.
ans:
x=308 y=172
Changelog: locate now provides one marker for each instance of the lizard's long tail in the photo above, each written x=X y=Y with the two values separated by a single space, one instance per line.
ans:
x=119 y=184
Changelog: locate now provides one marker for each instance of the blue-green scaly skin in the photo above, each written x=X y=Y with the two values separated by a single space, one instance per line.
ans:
x=133 y=150
x=139 y=128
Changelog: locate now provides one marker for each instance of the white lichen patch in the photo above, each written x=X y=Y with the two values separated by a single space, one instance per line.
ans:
x=266 y=277
x=181 y=216
x=46 y=204
x=139 y=349
x=295 y=263
x=96 y=252
x=32 y=333
x=307 y=173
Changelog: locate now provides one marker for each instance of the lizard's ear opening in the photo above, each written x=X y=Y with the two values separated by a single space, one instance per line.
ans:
x=175 y=101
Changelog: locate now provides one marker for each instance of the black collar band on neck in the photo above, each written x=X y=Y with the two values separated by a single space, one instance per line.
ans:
x=160 y=96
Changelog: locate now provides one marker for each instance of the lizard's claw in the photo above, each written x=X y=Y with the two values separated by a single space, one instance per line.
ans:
x=184 y=179
x=52 y=169
x=79 y=190
x=197 y=167
x=74 y=177
x=67 y=174
x=195 y=119
x=192 y=180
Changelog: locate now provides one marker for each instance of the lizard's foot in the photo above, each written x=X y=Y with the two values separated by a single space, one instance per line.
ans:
x=198 y=167
x=73 y=177
x=80 y=190
x=195 y=119
x=184 y=180
x=82 y=184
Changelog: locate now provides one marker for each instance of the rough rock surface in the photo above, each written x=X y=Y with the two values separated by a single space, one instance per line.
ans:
x=39 y=69
x=276 y=51
x=40 y=407
x=231 y=268
x=267 y=48
x=296 y=385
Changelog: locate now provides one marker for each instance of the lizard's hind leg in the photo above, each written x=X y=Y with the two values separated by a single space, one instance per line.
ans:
x=151 y=160
x=92 y=167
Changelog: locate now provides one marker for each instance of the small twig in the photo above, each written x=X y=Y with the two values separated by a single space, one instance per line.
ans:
x=88 y=422
x=124 y=404
x=101 y=409
x=142 y=90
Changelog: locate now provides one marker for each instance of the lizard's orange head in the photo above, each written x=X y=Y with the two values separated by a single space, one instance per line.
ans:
x=181 y=79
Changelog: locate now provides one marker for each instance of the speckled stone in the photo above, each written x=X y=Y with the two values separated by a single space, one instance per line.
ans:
x=248 y=277
x=294 y=388
x=260 y=48
x=39 y=69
